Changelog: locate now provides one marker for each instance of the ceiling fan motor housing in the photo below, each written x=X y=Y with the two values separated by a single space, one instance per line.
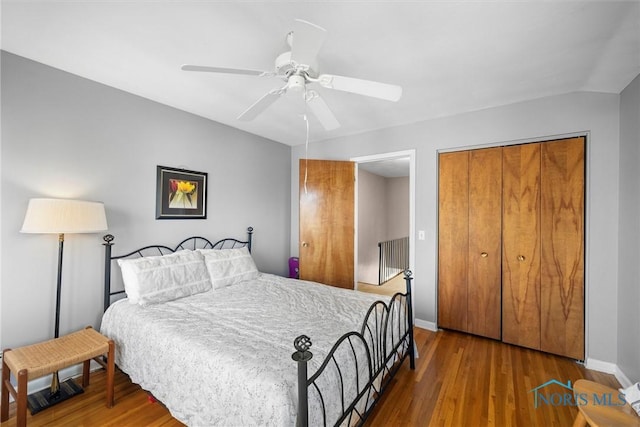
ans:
x=284 y=64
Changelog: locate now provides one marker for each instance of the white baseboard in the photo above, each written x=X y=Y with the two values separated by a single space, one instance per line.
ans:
x=609 y=368
x=624 y=381
x=423 y=324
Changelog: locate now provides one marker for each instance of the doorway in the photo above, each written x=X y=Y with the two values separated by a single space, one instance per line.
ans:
x=385 y=200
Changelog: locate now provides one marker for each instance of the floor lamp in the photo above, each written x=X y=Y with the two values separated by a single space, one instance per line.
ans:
x=60 y=216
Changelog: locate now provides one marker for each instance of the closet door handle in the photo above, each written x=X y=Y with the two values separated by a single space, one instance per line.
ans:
x=305 y=244
x=484 y=254
x=521 y=258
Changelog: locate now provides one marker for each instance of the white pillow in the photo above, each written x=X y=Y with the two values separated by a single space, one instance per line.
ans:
x=156 y=279
x=229 y=266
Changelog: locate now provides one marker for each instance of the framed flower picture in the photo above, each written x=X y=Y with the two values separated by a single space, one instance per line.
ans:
x=181 y=194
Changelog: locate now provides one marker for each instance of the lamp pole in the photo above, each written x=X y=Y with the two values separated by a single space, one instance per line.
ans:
x=59 y=284
x=54 y=390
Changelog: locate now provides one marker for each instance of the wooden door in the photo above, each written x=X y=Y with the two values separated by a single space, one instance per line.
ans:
x=453 y=239
x=485 y=230
x=562 y=247
x=327 y=223
x=521 y=245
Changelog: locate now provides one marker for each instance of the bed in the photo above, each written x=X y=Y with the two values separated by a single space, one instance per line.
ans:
x=220 y=343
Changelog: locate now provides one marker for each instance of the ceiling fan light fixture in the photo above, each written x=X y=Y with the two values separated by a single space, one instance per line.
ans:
x=296 y=83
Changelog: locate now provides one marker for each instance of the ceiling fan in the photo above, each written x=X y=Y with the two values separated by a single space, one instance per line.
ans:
x=298 y=69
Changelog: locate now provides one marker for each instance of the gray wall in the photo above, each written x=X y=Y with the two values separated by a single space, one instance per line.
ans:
x=383 y=214
x=397 y=207
x=65 y=136
x=629 y=244
x=595 y=114
x=372 y=223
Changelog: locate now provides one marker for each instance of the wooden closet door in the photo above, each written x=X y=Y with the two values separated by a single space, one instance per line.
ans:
x=562 y=251
x=485 y=229
x=453 y=239
x=521 y=245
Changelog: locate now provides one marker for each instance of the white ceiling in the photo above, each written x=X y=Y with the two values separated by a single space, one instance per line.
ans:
x=388 y=168
x=449 y=57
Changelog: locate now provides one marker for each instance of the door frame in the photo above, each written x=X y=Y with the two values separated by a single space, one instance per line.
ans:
x=412 y=201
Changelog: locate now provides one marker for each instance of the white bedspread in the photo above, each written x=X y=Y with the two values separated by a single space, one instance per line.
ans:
x=223 y=358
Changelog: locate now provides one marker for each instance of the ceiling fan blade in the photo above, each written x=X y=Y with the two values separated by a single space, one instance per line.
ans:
x=227 y=70
x=361 y=87
x=261 y=104
x=321 y=110
x=306 y=42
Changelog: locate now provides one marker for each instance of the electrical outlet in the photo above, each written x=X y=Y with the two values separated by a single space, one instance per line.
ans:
x=421 y=235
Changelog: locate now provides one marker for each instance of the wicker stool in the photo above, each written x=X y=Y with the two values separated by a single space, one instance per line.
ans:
x=597 y=414
x=37 y=360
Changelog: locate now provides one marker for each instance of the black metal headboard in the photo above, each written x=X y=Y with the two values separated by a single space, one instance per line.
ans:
x=191 y=243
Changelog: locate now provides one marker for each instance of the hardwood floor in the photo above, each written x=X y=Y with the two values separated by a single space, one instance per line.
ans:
x=459 y=380
x=464 y=380
x=397 y=284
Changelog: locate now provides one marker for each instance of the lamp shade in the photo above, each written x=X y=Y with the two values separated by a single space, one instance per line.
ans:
x=61 y=216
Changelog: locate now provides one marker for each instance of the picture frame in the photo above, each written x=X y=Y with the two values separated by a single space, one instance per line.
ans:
x=180 y=193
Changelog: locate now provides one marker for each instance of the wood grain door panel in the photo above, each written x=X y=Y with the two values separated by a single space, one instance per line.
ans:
x=485 y=232
x=521 y=245
x=562 y=250
x=327 y=222
x=511 y=244
x=453 y=240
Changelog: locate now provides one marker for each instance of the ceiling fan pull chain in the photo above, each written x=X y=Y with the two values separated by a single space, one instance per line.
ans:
x=306 y=149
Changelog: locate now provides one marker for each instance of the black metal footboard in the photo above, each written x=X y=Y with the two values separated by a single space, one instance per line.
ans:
x=359 y=367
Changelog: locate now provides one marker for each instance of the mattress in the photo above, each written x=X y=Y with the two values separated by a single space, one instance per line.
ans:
x=223 y=357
